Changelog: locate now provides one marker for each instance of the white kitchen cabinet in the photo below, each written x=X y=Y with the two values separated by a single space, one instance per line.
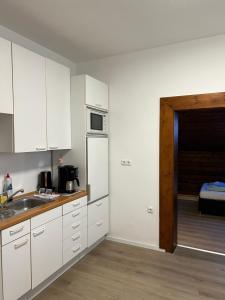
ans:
x=46 y=250
x=96 y=93
x=16 y=268
x=58 y=106
x=29 y=100
x=6 y=91
x=97 y=160
x=98 y=220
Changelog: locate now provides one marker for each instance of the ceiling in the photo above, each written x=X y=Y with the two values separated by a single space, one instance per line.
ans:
x=89 y=29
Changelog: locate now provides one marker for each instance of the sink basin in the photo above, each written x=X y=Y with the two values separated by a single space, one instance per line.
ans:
x=6 y=213
x=25 y=204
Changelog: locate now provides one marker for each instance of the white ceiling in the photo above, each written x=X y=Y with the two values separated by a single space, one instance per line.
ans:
x=89 y=29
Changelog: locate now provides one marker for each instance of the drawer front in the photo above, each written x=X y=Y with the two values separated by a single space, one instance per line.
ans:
x=46 y=217
x=75 y=204
x=74 y=216
x=98 y=210
x=97 y=230
x=71 y=229
x=14 y=232
x=74 y=245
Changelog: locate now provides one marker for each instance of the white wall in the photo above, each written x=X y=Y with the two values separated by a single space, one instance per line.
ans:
x=137 y=81
x=25 y=167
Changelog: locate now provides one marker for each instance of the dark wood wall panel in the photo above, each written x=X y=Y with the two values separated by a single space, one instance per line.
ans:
x=197 y=167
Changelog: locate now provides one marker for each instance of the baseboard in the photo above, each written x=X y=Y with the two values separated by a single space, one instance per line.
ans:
x=134 y=243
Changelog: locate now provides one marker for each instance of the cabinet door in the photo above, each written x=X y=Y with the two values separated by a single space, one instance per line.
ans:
x=6 y=96
x=29 y=100
x=96 y=93
x=58 y=106
x=97 y=149
x=16 y=268
x=46 y=250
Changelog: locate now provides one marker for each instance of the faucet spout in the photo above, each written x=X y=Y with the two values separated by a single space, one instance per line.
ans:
x=10 y=198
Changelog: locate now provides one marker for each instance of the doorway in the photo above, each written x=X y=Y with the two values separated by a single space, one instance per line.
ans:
x=169 y=109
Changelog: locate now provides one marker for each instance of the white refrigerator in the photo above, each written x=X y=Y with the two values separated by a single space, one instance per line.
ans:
x=97 y=167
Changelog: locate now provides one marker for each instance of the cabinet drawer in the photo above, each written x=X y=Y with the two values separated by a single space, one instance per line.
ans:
x=16 y=268
x=74 y=216
x=75 y=204
x=98 y=210
x=71 y=229
x=74 y=245
x=46 y=217
x=97 y=230
x=14 y=232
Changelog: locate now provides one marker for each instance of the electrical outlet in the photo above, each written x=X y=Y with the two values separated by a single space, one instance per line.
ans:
x=150 y=210
x=125 y=162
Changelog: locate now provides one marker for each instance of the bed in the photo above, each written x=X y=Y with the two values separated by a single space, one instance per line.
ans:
x=211 y=202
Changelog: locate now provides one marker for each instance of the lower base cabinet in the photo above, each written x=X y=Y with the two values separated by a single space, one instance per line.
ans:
x=98 y=220
x=46 y=250
x=16 y=268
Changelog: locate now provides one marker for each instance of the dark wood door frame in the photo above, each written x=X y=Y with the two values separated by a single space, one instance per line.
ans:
x=168 y=157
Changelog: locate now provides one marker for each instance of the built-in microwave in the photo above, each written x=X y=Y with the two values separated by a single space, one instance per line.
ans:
x=97 y=121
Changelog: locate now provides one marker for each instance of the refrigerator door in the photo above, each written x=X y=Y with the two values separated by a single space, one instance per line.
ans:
x=97 y=165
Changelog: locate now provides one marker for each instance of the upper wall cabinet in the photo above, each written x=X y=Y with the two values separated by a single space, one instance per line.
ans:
x=29 y=100
x=58 y=106
x=96 y=93
x=6 y=94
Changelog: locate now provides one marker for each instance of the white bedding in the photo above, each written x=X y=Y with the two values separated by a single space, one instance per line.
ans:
x=205 y=194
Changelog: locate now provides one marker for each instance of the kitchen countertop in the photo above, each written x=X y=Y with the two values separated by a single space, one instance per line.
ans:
x=40 y=209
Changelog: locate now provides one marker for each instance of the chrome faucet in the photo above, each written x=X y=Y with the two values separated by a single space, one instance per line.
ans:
x=10 y=198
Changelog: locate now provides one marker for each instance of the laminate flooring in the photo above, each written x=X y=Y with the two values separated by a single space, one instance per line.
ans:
x=114 y=271
x=200 y=231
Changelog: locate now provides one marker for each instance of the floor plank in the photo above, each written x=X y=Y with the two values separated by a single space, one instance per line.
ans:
x=115 y=271
x=200 y=231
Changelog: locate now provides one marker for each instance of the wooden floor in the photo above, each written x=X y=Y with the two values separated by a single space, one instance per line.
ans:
x=200 y=231
x=115 y=271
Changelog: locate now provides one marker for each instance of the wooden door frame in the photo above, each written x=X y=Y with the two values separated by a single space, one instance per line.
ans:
x=169 y=108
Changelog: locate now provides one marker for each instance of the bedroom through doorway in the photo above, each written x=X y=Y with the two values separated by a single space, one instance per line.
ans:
x=201 y=179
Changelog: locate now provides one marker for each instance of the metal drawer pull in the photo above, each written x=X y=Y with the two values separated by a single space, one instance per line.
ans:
x=76 y=249
x=40 y=148
x=98 y=105
x=75 y=214
x=53 y=148
x=99 y=204
x=76 y=204
x=12 y=232
x=75 y=226
x=17 y=246
x=38 y=232
x=76 y=237
x=99 y=224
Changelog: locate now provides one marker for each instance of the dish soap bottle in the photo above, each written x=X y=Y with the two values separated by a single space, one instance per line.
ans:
x=7 y=187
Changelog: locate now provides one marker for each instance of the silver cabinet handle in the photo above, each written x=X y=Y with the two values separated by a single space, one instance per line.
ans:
x=99 y=204
x=40 y=148
x=76 y=249
x=37 y=233
x=76 y=204
x=74 y=226
x=74 y=238
x=98 y=105
x=12 y=232
x=53 y=148
x=99 y=223
x=17 y=246
x=75 y=214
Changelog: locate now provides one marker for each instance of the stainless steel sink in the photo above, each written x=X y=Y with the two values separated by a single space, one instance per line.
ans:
x=25 y=204
x=6 y=213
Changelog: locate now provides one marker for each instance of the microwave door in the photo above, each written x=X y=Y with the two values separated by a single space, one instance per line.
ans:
x=97 y=167
x=96 y=122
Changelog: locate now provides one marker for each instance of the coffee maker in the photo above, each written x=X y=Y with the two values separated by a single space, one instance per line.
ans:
x=67 y=175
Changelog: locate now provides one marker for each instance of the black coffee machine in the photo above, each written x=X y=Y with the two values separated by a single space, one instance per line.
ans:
x=66 y=177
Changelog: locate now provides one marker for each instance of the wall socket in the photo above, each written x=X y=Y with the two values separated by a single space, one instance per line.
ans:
x=125 y=162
